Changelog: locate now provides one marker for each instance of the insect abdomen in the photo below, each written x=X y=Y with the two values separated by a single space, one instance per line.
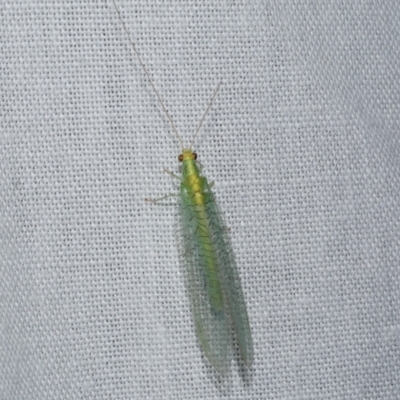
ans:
x=197 y=196
x=215 y=289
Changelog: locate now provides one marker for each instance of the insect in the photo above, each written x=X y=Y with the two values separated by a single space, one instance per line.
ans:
x=214 y=285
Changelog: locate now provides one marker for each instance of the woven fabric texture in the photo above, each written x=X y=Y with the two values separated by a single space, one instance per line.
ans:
x=303 y=144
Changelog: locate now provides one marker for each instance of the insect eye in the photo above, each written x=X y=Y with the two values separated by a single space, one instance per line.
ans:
x=180 y=158
x=195 y=156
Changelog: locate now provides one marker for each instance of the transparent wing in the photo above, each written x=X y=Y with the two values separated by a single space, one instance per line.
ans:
x=211 y=321
x=231 y=285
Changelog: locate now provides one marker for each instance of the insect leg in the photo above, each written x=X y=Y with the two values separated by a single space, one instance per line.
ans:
x=172 y=174
x=162 y=198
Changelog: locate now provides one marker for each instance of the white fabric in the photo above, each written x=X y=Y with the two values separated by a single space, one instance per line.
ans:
x=302 y=143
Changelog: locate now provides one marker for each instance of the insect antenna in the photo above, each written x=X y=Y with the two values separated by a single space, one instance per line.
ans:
x=148 y=75
x=204 y=115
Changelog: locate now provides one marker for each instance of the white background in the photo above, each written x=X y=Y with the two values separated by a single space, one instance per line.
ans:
x=302 y=143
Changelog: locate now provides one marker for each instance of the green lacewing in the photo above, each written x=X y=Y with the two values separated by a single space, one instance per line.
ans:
x=216 y=294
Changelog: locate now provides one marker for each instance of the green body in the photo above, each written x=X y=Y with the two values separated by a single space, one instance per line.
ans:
x=216 y=293
x=215 y=290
